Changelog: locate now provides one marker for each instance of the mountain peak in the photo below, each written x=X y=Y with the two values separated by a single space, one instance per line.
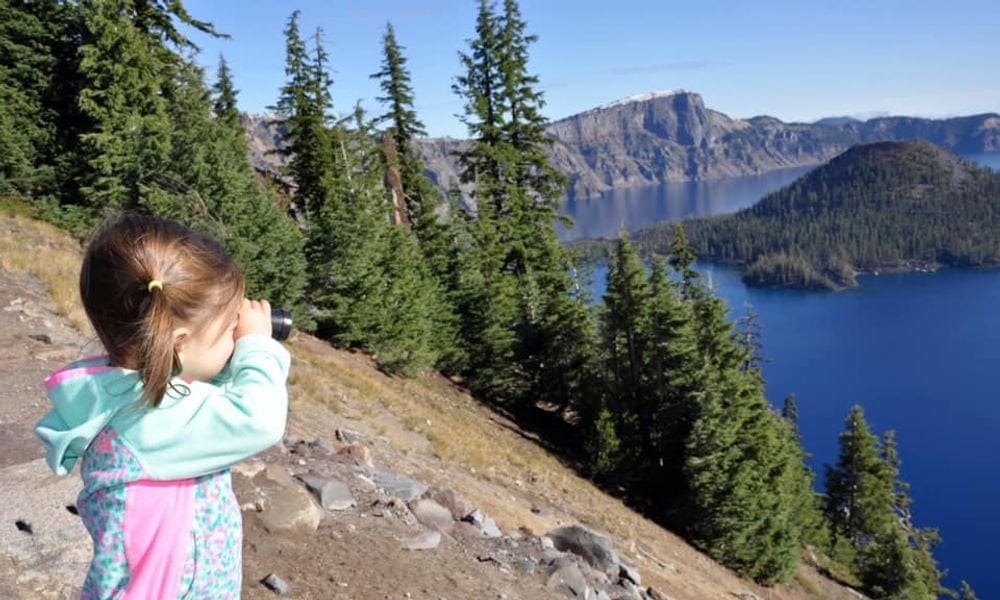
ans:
x=645 y=97
x=915 y=156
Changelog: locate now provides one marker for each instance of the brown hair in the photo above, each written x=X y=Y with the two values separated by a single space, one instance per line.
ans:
x=136 y=321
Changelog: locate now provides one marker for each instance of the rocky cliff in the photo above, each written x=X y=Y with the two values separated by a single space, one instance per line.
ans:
x=654 y=138
x=672 y=136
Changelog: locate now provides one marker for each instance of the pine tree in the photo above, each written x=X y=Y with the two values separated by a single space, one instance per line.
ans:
x=303 y=108
x=926 y=580
x=411 y=189
x=742 y=471
x=28 y=36
x=259 y=233
x=487 y=301
x=865 y=505
x=966 y=591
x=859 y=496
x=809 y=515
x=790 y=412
x=624 y=325
x=370 y=286
x=128 y=60
x=682 y=259
x=675 y=370
x=420 y=197
x=128 y=148
x=224 y=104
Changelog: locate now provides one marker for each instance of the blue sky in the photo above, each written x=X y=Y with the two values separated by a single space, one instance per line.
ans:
x=795 y=59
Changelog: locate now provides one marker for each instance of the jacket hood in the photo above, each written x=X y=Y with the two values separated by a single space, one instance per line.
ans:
x=85 y=395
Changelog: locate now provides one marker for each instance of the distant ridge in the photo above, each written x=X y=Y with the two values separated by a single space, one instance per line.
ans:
x=656 y=137
x=652 y=138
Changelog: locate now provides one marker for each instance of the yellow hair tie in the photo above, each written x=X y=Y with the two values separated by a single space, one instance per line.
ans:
x=156 y=283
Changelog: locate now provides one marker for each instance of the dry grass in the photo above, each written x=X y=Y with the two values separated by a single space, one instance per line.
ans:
x=439 y=433
x=31 y=246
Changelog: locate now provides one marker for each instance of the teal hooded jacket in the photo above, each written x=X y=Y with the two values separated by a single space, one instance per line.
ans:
x=157 y=498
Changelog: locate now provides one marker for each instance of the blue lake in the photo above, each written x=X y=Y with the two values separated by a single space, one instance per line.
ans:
x=920 y=352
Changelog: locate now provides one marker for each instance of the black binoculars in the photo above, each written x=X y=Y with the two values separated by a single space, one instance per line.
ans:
x=281 y=324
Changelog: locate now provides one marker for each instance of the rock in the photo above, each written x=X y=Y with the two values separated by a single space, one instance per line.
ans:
x=431 y=514
x=41 y=337
x=291 y=510
x=601 y=595
x=332 y=494
x=51 y=561
x=276 y=584
x=652 y=594
x=273 y=476
x=475 y=517
x=454 y=502
x=628 y=572
x=566 y=578
x=361 y=454
x=399 y=486
x=591 y=546
x=526 y=565
x=748 y=596
x=291 y=441
x=24 y=526
x=465 y=529
x=485 y=524
x=323 y=445
x=490 y=528
x=248 y=469
x=425 y=541
x=347 y=436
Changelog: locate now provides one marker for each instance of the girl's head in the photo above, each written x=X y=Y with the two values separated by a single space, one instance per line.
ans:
x=158 y=293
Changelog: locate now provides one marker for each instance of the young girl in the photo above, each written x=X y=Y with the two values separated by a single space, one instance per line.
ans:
x=192 y=384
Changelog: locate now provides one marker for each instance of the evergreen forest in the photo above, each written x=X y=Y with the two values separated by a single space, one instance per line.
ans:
x=882 y=207
x=652 y=390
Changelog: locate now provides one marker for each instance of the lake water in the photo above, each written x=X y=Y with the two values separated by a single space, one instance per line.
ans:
x=920 y=352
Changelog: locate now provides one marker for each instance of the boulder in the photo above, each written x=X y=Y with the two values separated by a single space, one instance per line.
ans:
x=347 y=436
x=567 y=578
x=332 y=494
x=431 y=514
x=652 y=594
x=593 y=547
x=360 y=453
x=399 y=486
x=425 y=541
x=276 y=584
x=454 y=502
x=629 y=573
x=291 y=510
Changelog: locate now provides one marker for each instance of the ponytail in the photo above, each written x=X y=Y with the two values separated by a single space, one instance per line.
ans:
x=158 y=361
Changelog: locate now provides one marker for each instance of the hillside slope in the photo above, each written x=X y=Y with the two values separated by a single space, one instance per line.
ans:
x=424 y=428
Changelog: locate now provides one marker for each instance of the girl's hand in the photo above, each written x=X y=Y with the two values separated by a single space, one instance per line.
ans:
x=254 y=317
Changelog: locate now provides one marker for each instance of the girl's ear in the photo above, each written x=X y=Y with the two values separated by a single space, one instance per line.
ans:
x=181 y=336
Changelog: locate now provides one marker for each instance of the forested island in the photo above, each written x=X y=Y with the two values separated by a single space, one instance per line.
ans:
x=876 y=208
